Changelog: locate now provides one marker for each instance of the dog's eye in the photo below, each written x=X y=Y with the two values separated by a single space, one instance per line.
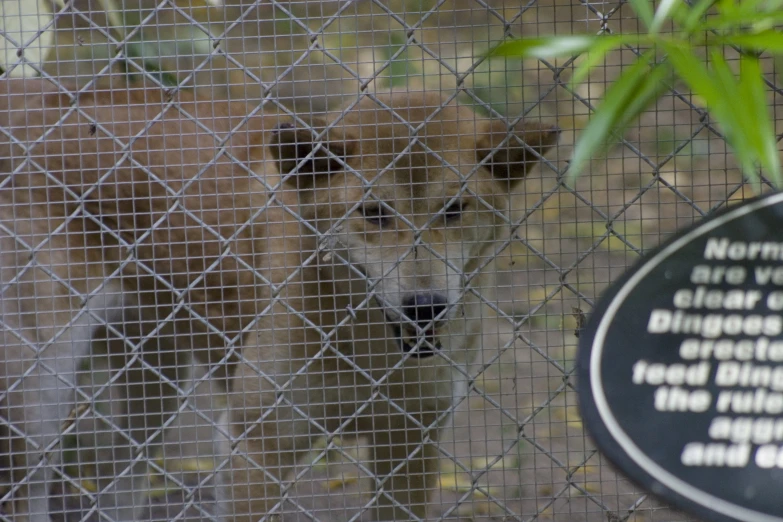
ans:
x=376 y=215
x=454 y=210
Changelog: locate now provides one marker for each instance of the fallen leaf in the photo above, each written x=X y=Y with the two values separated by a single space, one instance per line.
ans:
x=192 y=465
x=592 y=487
x=340 y=482
x=458 y=482
x=507 y=462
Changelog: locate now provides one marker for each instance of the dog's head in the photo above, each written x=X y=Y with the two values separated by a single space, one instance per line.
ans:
x=412 y=196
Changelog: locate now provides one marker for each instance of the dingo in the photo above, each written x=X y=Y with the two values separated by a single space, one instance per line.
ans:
x=326 y=279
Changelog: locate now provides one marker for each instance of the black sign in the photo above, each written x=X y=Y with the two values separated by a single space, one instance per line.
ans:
x=680 y=370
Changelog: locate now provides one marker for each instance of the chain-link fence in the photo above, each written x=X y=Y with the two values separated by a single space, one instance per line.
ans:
x=371 y=314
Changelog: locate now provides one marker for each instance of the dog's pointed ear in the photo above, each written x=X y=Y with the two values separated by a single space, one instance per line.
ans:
x=511 y=160
x=290 y=146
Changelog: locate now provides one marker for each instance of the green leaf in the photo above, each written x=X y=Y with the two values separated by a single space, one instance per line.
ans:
x=735 y=22
x=626 y=92
x=734 y=119
x=596 y=53
x=549 y=47
x=650 y=87
x=666 y=9
x=749 y=7
x=692 y=71
x=737 y=104
x=763 y=138
x=643 y=10
x=770 y=41
x=778 y=66
x=709 y=86
x=742 y=123
x=728 y=7
x=656 y=83
x=696 y=13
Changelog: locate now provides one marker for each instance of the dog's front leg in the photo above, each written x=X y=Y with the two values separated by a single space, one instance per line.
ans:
x=37 y=412
x=268 y=442
x=151 y=404
x=405 y=465
x=41 y=401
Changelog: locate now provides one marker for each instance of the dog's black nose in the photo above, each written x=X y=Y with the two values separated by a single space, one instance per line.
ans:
x=423 y=308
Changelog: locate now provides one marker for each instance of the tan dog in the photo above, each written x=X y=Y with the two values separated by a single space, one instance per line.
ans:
x=328 y=278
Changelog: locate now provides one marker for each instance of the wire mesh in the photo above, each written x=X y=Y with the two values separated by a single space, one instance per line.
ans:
x=299 y=297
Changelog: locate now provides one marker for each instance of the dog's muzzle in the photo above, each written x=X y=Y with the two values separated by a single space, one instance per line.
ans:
x=425 y=310
x=424 y=349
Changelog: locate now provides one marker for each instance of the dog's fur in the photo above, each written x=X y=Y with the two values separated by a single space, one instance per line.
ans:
x=289 y=280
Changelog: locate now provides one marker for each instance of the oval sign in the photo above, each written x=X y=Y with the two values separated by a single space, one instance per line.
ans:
x=680 y=367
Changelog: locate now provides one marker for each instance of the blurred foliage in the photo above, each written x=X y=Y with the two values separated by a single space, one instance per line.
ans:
x=26 y=28
x=368 y=48
x=151 y=51
x=400 y=68
x=735 y=96
x=29 y=39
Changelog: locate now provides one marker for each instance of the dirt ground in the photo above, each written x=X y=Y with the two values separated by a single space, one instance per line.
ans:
x=521 y=422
